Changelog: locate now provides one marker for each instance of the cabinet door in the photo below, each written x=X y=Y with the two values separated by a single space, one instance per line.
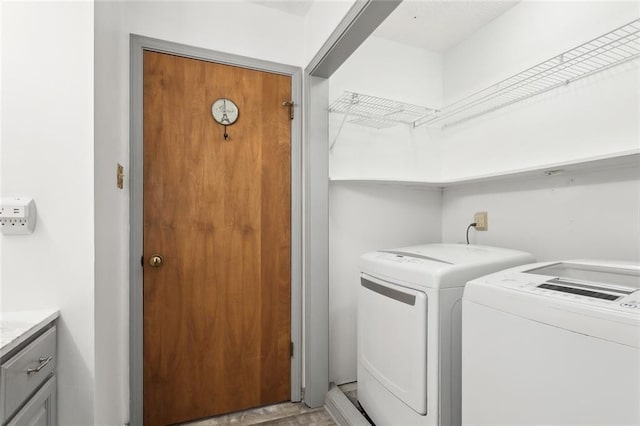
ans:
x=41 y=408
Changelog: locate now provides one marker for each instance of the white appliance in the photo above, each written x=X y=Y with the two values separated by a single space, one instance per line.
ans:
x=409 y=321
x=554 y=343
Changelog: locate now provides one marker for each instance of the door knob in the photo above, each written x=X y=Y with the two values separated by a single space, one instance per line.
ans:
x=155 y=260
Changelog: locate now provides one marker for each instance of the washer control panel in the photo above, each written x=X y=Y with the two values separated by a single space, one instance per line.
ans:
x=612 y=297
x=631 y=304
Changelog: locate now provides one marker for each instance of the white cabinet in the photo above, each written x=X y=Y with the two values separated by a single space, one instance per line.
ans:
x=28 y=382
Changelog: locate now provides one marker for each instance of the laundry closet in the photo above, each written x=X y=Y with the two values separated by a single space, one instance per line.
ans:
x=528 y=111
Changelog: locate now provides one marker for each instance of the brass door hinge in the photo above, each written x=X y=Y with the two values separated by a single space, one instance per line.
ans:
x=119 y=176
x=289 y=104
x=291 y=349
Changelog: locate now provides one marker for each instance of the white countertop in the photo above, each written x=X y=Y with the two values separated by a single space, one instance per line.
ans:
x=16 y=327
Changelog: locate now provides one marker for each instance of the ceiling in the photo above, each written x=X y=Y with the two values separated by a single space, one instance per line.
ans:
x=435 y=25
x=295 y=7
x=439 y=25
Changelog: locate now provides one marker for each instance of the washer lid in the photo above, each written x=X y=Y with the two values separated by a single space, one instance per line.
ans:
x=599 y=299
x=622 y=276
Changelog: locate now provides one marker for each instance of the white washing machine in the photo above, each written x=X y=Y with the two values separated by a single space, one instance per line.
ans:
x=554 y=343
x=409 y=320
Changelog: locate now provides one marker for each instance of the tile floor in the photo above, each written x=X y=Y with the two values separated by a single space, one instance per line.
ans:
x=284 y=414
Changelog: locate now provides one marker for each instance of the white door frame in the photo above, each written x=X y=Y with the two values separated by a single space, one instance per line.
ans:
x=139 y=44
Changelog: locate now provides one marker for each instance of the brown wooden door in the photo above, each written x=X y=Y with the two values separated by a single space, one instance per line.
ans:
x=217 y=311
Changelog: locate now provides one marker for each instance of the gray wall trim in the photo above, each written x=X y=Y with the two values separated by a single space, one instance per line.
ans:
x=138 y=44
x=361 y=20
x=316 y=243
x=184 y=50
x=135 y=233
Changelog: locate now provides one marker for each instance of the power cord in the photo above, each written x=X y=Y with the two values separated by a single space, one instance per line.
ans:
x=469 y=227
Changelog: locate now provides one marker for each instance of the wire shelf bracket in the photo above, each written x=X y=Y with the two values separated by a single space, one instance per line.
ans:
x=609 y=50
x=378 y=113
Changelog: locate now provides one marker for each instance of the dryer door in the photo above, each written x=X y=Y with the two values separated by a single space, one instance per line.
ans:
x=392 y=339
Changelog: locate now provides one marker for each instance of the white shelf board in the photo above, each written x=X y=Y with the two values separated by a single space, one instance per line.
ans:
x=624 y=159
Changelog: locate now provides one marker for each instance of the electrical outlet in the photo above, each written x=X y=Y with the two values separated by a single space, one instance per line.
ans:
x=480 y=218
x=17 y=216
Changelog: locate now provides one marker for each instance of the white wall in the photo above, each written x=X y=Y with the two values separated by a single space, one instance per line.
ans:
x=393 y=71
x=529 y=33
x=594 y=116
x=591 y=117
x=47 y=154
x=587 y=215
x=363 y=218
x=111 y=215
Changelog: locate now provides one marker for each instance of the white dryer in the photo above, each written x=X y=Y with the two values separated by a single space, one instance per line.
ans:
x=409 y=321
x=554 y=343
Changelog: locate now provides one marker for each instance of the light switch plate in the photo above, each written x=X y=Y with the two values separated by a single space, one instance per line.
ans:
x=480 y=219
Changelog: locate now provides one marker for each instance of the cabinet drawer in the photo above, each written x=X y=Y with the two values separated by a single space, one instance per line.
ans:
x=26 y=371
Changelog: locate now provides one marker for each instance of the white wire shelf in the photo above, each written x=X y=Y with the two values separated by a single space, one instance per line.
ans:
x=378 y=113
x=611 y=49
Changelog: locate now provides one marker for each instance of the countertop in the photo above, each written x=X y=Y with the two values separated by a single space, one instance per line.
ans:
x=16 y=327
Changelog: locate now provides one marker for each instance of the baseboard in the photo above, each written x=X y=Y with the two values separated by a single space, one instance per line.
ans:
x=342 y=410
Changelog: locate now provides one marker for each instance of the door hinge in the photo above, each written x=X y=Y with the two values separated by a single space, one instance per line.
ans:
x=289 y=104
x=291 y=349
x=142 y=261
x=119 y=176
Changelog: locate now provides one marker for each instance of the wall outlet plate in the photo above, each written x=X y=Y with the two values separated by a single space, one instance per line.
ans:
x=17 y=216
x=481 y=221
